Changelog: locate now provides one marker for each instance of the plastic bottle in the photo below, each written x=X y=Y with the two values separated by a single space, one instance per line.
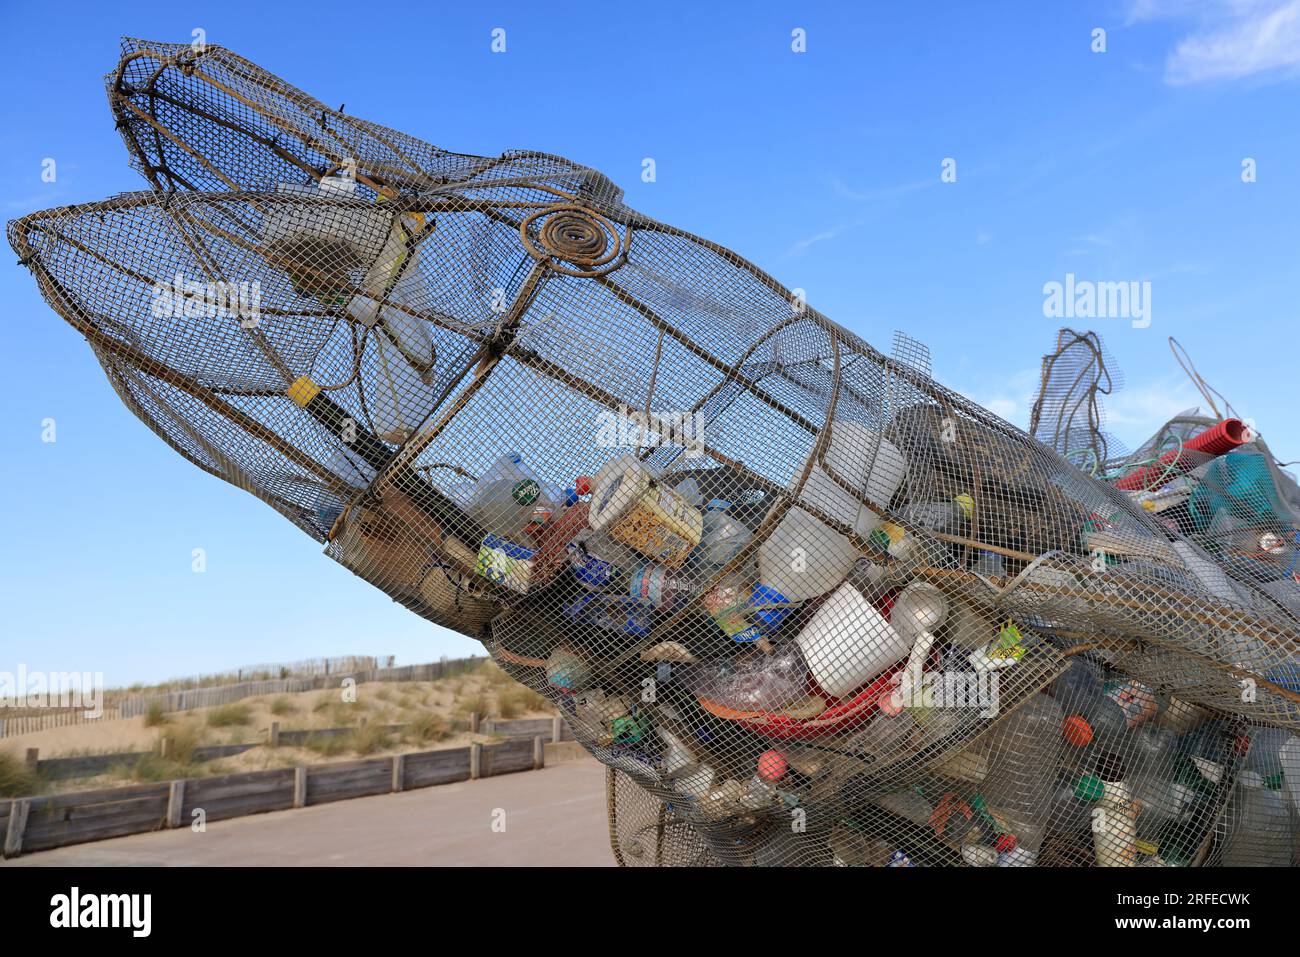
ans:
x=1258 y=825
x=504 y=498
x=1266 y=754
x=1103 y=720
x=1151 y=749
x=1161 y=801
x=599 y=562
x=723 y=537
x=753 y=681
x=888 y=737
x=659 y=588
x=1207 y=751
x=1290 y=760
x=1023 y=753
x=1078 y=686
x=1072 y=802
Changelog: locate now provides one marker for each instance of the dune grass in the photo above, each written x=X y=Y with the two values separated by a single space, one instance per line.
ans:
x=16 y=778
x=230 y=715
x=155 y=716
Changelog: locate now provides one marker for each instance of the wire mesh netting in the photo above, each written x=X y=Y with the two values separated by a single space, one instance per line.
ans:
x=808 y=605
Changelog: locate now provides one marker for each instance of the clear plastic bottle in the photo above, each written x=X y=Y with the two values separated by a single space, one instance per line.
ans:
x=723 y=538
x=1024 y=751
x=1257 y=824
x=1073 y=801
x=888 y=737
x=1100 y=715
x=1266 y=753
x=1162 y=800
x=600 y=562
x=504 y=498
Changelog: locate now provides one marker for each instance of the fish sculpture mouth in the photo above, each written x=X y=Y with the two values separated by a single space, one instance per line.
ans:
x=726 y=537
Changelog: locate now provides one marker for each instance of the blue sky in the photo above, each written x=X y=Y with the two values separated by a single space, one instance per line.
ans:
x=823 y=167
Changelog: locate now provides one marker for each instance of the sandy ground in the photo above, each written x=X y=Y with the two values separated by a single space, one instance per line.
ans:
x=554 y=817
x=377 y=702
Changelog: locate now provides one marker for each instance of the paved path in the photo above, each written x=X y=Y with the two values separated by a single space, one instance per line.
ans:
x=555 y=816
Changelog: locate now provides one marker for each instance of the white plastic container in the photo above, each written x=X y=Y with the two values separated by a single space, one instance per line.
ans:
x=847 y=642
x=868 y=463
x=802 y=557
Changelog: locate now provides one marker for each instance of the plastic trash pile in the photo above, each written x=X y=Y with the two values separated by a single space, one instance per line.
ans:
x=808 y=605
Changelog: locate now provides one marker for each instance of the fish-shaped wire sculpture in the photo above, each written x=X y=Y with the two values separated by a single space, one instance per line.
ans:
x=806 y=603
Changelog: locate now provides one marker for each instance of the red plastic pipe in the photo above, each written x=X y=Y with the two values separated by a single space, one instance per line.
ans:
x=1220 y=439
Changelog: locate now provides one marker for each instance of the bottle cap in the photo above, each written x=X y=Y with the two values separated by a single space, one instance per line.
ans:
x=1077 y=730
x=772 y=765
x=1006 y=843
x=1089 y=787
x=582 y=485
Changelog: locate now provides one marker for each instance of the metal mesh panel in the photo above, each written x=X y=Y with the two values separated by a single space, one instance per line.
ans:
x=810 y=606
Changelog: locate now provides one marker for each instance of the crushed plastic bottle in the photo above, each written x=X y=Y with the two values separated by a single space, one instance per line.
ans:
x=1023 y=752
x=723 y=537
x=754 y=682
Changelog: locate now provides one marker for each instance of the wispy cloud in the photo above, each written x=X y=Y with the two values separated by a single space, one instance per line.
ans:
x=1229 y=39
x=28 y=204
x=869 y=195
x=803 y=245
x=840 y=188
